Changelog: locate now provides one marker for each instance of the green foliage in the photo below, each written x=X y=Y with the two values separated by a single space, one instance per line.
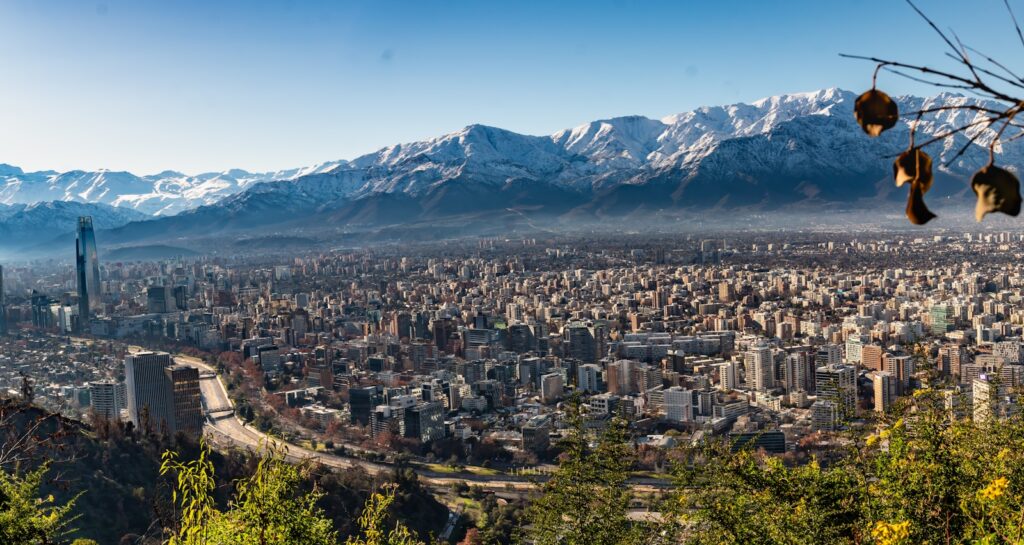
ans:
x=749 y=498
x=586 y=501
x=267 y=508
x=26 y=518
x=373 y=523
x=499 y=522
x=923 y=477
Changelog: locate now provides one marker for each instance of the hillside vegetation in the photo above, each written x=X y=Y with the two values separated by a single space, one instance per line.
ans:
x=922 y=475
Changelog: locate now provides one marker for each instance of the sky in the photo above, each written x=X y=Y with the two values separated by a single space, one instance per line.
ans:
x=204 y=85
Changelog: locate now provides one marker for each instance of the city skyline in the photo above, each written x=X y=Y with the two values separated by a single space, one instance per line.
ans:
x=511 y=273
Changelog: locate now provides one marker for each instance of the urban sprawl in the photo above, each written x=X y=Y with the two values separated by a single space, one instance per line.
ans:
x=447 y=349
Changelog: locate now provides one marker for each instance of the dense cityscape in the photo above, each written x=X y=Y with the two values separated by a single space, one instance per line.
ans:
x=511 y=273
x=467 y=351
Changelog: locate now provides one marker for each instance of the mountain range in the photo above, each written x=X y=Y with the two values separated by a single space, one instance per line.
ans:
x=163 y=194
x=802 y=151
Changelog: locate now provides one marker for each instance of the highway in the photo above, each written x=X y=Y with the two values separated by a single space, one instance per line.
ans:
x=225 y=425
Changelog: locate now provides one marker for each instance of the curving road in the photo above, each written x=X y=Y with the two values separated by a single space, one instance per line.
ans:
x=226 y=425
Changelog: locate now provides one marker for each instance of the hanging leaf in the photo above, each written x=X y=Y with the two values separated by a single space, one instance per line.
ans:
x=875 y=112
x=998 y=190
x=917 y=211
x=914 y=166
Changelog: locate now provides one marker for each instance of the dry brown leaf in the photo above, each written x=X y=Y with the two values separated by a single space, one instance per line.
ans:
x=913 y=166
x=875 y=112
x=917 y=211
x=998 y=190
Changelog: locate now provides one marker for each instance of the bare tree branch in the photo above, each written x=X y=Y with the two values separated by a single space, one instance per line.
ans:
x=1013 y=18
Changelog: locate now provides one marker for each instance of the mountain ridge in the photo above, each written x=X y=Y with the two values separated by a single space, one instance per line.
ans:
x=775 y=152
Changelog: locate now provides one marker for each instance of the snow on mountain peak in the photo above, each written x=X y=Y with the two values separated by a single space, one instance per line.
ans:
x=594 y=154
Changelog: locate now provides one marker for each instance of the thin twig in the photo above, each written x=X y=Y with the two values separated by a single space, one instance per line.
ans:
x=935 y=28
x=949 y=133
x=1013 y=18
x=970 y=142
x=997 y=64
x=972 y=107
x=991 y=73
x=925 y=70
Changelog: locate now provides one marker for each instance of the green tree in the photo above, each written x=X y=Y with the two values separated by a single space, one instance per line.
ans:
x=373 y=527
x=749 y=497
x=267 y=509
x=586 y=501
x=922 y=476
x=27 y=518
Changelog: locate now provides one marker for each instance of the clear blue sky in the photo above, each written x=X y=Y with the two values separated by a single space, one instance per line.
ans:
x=209 y=85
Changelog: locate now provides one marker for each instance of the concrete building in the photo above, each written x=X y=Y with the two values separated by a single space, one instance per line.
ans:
x=551 y=388
x=678 y=404
x=185 y=397
x=107 y=398
x=838 y=383
x=760 y=368
x=885 y=388
x=148 y=390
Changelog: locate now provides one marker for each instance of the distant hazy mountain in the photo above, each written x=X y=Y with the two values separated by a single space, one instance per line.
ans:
x=166 y=193
x=799 y=149
x=26 y=224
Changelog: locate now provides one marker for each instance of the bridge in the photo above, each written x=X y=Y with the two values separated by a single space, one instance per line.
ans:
x=226 y=409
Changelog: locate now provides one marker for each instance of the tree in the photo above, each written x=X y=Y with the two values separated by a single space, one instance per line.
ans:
x=27 y=518
x=373 y=523
x=267 y=508
x=586 y=501
x=997 y=189
x=923 y=476
x=749 y=497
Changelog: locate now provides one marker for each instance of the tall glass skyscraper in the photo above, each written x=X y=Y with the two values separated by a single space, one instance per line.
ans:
x=3 y=309
x=83 y=290
x=88 y=263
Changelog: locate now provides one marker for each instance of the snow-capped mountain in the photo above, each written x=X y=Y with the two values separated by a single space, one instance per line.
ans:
x=163 y=194
x=26 y=224
x=775 y=152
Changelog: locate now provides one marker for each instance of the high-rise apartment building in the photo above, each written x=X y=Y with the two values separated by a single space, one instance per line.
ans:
x=678 y=404
x=760 y=368
x=824 y=415
x=588 y=378
x=795 y=371
x=838 y=383
x=148 y=390
x=551 y=388
x=992 y=398
x=941 y=317
x=829 y=354
x=582 y=345
x=186 y=402
x=107 y=398
x=871 y=357
x=884 y=384
x=3 y=304
x=951 y=357
x=168 y=393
